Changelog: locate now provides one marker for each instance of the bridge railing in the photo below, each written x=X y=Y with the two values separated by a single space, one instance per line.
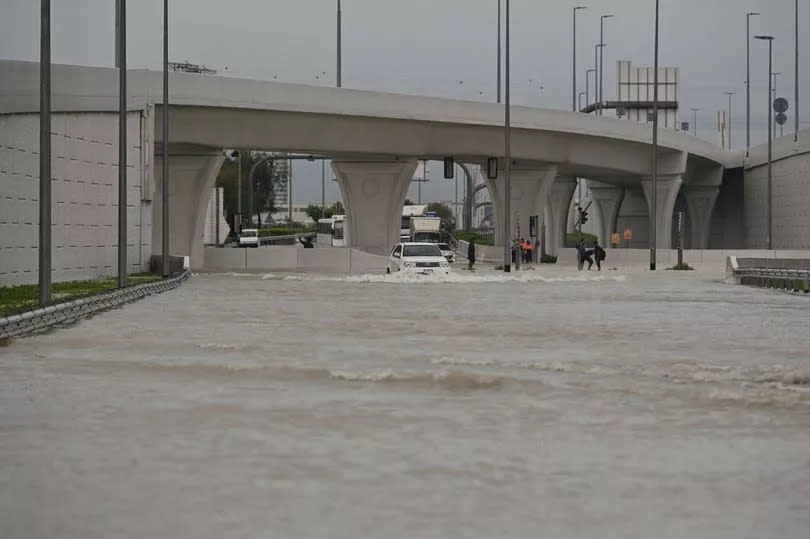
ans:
x=755 y=272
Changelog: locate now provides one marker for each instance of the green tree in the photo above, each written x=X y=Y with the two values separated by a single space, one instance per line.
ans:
x=314 y=211
x=335 y=209
x=269 y=176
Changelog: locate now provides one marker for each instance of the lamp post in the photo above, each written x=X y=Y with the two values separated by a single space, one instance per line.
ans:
x=694 y=121
x=587 y=88
x=796 y=75
x=729 y=94
x=748 y=80
x=507 y=214
x=574 y=63
x=45 y=153
x=165 y=163
x=596 y=73
x=769 y=39
x=499 y=52
x=339 y=46
x=654 y=197
x=602 y=59
x=121 y=27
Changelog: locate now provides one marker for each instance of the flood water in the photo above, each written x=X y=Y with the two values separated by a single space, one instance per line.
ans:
x=554 y=404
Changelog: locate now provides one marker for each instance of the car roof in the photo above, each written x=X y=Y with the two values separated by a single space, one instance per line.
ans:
x=418 y=243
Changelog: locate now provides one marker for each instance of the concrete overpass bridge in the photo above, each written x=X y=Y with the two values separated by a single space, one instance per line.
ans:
x=375 y=140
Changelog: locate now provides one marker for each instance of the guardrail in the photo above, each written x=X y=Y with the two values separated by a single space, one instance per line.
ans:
x=62 y=313
x=779 y=278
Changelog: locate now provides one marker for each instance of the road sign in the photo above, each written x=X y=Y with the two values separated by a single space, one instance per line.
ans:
x=616 y=238
x=781 y=118
x=780 y=105
x=628 y=235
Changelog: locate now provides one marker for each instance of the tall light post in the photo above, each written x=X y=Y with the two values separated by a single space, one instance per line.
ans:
x=796 y=75
x=507 y=214
x=45 y=153
x=339 y=46
x=165 y=163
x=769 y=39
x=587 y=88
x=694 y=121
x=499 y=52
x=602 y=60
x=596 y=49
x=574 y=63
x=323 y=188
x=728 y=120
x=748 y=80
x=122 y=141
x=654 y=197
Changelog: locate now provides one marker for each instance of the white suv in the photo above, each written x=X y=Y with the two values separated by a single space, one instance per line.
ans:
x=418 y=258
x=249 y=238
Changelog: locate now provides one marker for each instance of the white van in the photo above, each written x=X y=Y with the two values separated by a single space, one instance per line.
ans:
x=249 y=237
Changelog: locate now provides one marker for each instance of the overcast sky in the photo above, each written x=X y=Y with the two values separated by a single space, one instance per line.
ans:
x=441 y=48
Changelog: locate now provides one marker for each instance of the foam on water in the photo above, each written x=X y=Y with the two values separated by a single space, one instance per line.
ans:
x=458 y=277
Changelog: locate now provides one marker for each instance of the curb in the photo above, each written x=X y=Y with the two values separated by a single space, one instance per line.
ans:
x=60 y=313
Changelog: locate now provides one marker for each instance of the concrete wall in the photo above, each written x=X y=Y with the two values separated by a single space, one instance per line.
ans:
x=293 y=258
x=84 y=192
x=635 y=215
x=791 y=194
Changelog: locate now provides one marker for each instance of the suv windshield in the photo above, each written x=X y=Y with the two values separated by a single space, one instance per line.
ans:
x=421 y=250
x=443 y=246
x=248 y=233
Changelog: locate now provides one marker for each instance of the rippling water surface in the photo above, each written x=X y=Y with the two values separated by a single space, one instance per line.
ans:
x=554 y=404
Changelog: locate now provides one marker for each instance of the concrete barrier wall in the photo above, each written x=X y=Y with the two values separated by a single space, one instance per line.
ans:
x=293 y=258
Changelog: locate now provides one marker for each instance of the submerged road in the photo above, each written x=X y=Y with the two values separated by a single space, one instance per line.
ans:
x=553 y=403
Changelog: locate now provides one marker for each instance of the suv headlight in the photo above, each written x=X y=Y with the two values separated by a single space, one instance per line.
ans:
x=444 y=264
x=408 y=265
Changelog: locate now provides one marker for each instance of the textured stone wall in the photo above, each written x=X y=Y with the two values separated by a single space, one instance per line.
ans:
x=84 y=194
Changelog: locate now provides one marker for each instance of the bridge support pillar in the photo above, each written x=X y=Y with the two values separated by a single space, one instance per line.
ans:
x=700 y=201
x=530 y=189
x=373 y=195
x=193 y=172
x=667 y=191
x=559 y=201
x=609 y=198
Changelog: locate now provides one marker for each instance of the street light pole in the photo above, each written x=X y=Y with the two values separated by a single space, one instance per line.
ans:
x=773 y=91
x=796 y=76
x=654 y=197
x=748 y=80
x=729 y=94
x=507 y=205
x=165 y=163
x=769 y=39
x=323 y=188
x=596 y=73
x=45 y=153
x=602 y=60
x=694 y=122
x=339 y=46
x=499 y=51
x=122 y=143
x=574 y=63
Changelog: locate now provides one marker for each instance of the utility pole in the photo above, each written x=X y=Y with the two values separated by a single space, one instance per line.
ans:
x=769 y=39
x=339 y=46
x=122 y=143
x=45 y=153
x=602 y=60
x=654 y=197
x=748 y=80
x=507 y=216
x=728 y=120
x=694 y=120
x=165 y=164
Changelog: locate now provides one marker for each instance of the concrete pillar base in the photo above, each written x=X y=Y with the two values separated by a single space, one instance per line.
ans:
x=373 y=195
x=559 y=201
x=700 y=200
x=530 y=190
x=667 y=191
x=609 y=199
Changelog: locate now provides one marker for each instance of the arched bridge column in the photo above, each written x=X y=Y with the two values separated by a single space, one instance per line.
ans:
x=559 y=200
x=373 y=195
x=530 y=189
x=667 y=191
x=609 y=198
x=193 y=171
x=700 y=201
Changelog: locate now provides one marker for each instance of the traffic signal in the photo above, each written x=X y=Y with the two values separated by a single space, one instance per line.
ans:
x=583 y=216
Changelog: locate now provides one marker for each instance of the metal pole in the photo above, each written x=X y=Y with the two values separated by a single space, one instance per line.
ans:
x=45 y=153
x=748 y=80
x=239 y=185
x=770 y=148
x=507 y=213
x=250 y=200
x=166 y=179
x=574 y=63
x=773 y=91
x=654 y=197
x=796 y=76
x=290 y=189
x=122 y=143
x=323 y=188
x=339 y=47
x=499 y=51
x=602 y=61
x=587 y=88
x=694 y=122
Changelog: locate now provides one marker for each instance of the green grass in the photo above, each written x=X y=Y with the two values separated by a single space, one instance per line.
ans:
x=574 y=237
x=14 y=299
x=479 y=240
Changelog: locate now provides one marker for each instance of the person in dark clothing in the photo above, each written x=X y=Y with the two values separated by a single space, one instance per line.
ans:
x=471 y=254
x=585 y=256
x=598 y=255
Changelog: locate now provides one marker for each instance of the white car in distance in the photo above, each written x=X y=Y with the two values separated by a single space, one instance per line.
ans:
x=418 y=258
x=249 y=237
